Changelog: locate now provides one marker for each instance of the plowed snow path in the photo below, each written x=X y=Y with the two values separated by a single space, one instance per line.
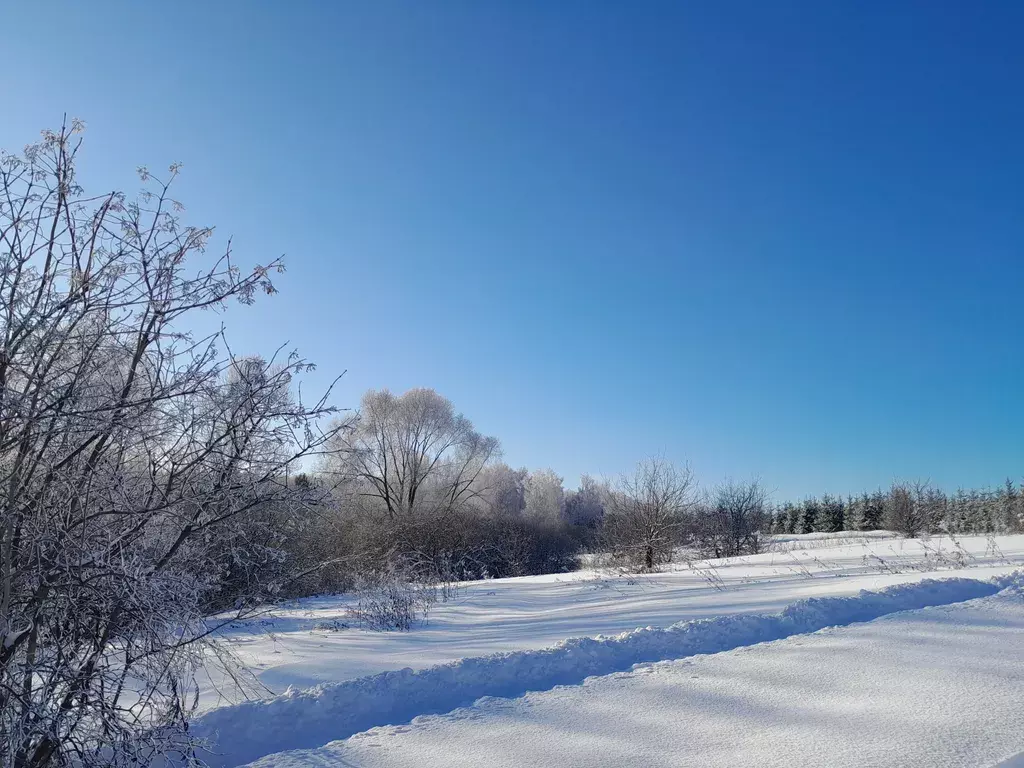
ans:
x=941 y=686
x=290 y=648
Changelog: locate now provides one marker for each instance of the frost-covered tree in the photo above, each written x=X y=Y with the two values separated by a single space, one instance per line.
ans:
x=1010 y=507
x=957 y=513
x=410 y=471
x=934 y=507
x=810 y=513
x=411 y=456
x=584 y=507
x=503 y=489
x=528 y=535
x=904 y=509
x=544 y=496
x=735 y=522
x=852 y=513
x=780 y=519
x=973 y=511
x=794 y=512
x=141 y=467
x=647 y=512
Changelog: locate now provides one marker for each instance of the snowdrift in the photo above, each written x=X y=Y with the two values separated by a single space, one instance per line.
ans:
x=304 y=719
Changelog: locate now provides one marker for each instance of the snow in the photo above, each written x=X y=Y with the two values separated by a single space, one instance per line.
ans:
x=306 y=719
x=837 y=536
x=291 y=648
x=782 y=542
x=932 y=686
x=505 y=638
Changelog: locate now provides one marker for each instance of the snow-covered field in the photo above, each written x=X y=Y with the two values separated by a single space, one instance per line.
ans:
x=931 y=687
x=834 y=689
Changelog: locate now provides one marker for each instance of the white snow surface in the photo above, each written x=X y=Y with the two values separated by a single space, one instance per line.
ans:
x=473 y=646
x=932 y=686
x=306 y=719
x=293 y=646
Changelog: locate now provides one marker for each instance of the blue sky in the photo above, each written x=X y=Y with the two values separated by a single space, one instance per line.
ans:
x=780 y=239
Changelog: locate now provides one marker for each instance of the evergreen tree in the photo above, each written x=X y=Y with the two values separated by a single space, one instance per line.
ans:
x=1018 y=521
x=989 y=511
x=873 y=510
x=1009 y=503
x=934 y=505
x=977 y=517
x=958 y=513
x=809 y=516
x=793 y=514
x=831 y=515
x=921 y=509
x=852 y=514
x=906 y=508
x=779 y=520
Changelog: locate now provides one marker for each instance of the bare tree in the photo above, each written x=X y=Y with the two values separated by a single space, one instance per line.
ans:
x=736 y=521
x=412 y=454
x=647 y=512
x=413 y=466
x=135 y=459
x=905 y=510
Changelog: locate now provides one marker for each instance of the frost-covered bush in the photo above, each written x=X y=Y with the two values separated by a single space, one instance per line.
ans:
x=647 y=513
x=142 y=469
x=393 y=600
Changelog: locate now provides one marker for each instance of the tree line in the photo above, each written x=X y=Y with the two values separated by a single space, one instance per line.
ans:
x=908 y=508
x=411 y=488
x=414 y=487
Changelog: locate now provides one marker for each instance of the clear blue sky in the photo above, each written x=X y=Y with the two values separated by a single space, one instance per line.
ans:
x=772 y=238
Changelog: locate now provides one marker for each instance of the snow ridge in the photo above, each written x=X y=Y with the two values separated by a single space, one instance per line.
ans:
x=313 y=717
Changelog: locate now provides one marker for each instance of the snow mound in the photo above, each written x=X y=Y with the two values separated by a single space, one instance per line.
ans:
x=304 y=719
x=939 y=686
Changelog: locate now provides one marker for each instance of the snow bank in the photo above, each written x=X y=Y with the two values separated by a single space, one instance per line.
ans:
x=305 y=719
x=937 y=687
x=305 y=643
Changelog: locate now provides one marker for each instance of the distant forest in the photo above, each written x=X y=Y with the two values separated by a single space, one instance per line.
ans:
x=410 y=485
